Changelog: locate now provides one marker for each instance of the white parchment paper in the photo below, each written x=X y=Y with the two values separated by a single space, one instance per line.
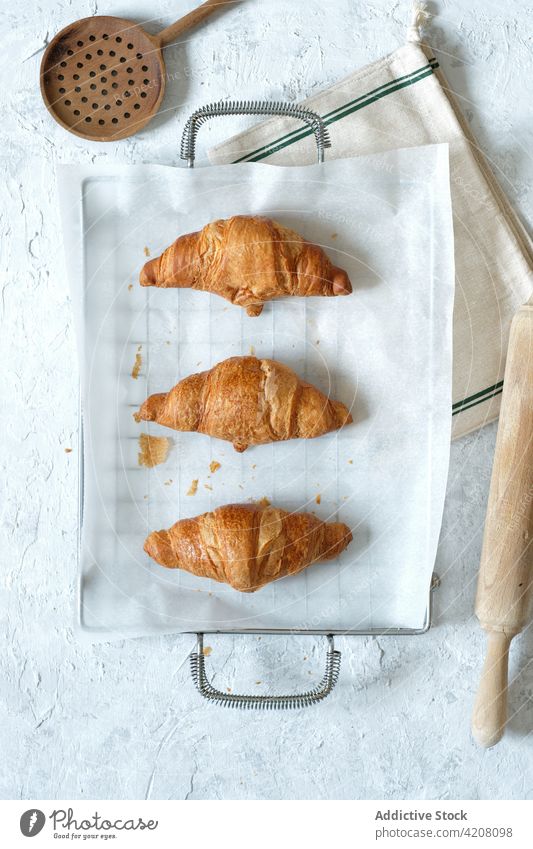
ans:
x=385 y=351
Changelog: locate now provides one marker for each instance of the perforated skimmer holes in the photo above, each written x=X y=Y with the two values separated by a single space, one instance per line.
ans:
x=103 y=84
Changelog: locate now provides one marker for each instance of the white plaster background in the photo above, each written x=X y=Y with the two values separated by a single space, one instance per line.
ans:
x=123 y=720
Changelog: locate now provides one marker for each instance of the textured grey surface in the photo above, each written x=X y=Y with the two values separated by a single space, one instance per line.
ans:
x=122 y=720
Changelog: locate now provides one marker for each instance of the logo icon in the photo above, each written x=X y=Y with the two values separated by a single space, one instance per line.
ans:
x=32 y=822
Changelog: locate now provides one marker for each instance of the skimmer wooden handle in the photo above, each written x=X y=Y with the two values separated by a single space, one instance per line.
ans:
x=195 y=17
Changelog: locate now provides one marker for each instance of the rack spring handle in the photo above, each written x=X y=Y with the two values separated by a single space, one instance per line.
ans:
x=251 y=107
x=299 y=700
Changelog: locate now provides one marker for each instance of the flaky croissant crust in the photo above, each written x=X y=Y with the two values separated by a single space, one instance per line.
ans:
x=247 y=545
x=246 y=401
x=247 y=260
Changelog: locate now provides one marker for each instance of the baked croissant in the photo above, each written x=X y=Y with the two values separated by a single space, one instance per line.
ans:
x=247 y=545
x=246 y=401
x=247 y=260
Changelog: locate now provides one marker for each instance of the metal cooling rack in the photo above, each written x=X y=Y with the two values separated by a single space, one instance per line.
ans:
x=197 y=657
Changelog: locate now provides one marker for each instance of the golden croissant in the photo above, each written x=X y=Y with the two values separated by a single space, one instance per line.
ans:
x=247 y=260
x=247 y=545
x=246 y=401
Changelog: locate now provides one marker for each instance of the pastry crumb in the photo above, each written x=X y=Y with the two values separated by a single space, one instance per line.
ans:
x=146 y=251
x=137 y=364
x=167 y=342
x=193 y=487
x=207 y=651
x=214 y=466
x=208 y=486
x=68 y=450
x=350 y=462
x=130 y=287
x=145 y=497
x=318 y=498
x=228 y=689
x=333 y=235
x=167 y=483
x=252 y=351
x=137 y=417
x=264 y=502
x=258 y=682
x=153 y=450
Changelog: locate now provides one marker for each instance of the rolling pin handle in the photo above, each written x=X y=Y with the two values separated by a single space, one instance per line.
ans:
x=490 y=708
x=505 y=585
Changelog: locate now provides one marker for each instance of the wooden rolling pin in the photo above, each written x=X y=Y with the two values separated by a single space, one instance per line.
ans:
x=506 y=572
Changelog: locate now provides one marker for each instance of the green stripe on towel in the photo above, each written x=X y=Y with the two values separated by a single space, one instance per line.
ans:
x=342 y=112
x=478 y=398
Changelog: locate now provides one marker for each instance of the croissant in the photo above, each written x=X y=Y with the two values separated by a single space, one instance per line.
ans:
x=247 y=545
x=246 y=401
x=247 y=260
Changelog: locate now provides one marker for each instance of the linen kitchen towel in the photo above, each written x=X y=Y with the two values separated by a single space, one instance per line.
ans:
x=403 y=100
